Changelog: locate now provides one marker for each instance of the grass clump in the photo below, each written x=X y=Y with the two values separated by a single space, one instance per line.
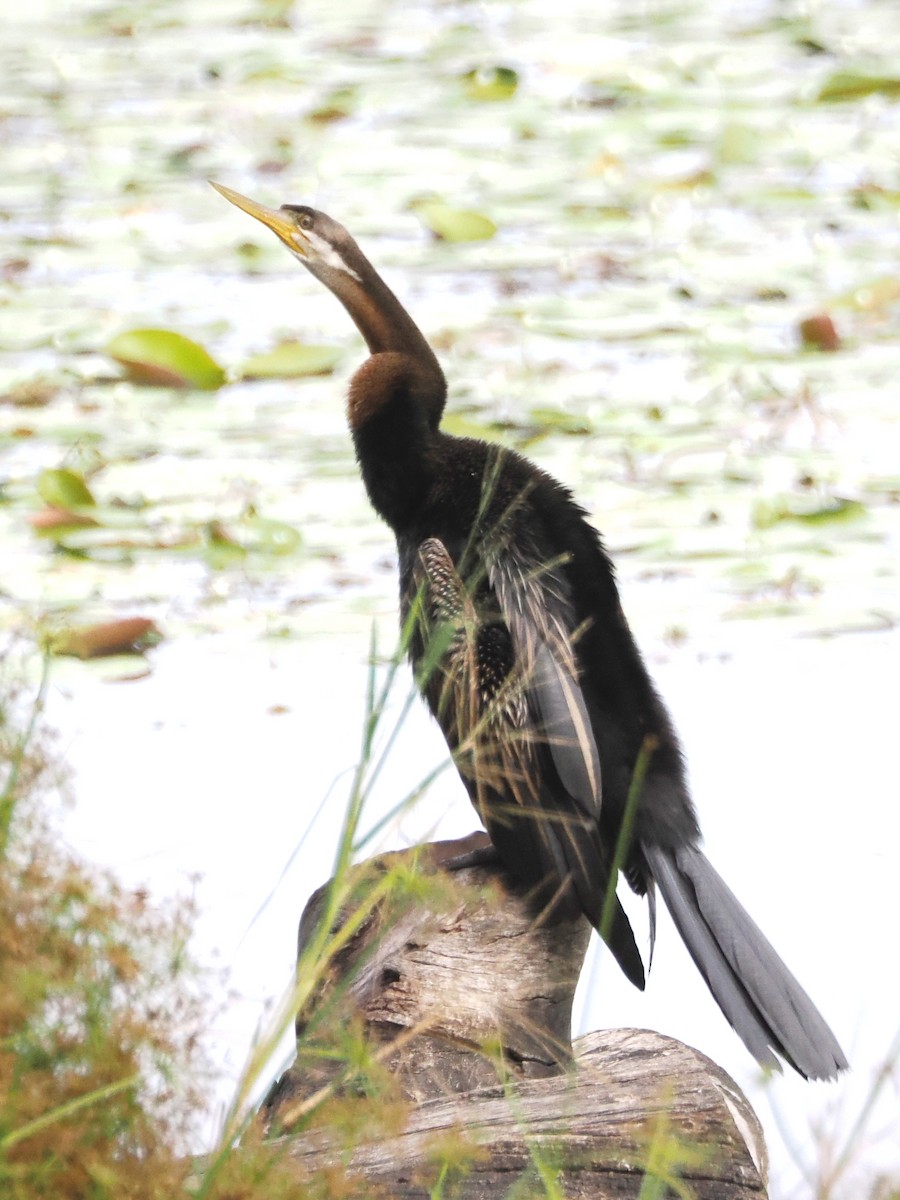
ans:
x=100 y=1071
x=103 y=1080
x=104 y=1083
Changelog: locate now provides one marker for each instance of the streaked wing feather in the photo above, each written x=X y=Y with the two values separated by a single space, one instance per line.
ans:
x=566 y=726
x=538 y=613
x=510 y=704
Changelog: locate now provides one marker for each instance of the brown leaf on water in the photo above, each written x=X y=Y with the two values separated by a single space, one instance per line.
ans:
x=53 y=520
x=128 y=635
x=819 y=333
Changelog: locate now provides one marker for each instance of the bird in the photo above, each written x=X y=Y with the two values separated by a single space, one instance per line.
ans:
x=520 y=646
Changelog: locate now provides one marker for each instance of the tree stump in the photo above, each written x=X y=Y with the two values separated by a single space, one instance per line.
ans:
x=461 y=994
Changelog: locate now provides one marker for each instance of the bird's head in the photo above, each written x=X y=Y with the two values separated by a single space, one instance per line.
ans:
x=320 y=243
x=328 y=251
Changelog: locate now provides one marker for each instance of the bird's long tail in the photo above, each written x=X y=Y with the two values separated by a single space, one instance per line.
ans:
x=761 y=999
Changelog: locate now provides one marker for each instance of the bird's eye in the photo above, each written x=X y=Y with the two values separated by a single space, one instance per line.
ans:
x=306 y=221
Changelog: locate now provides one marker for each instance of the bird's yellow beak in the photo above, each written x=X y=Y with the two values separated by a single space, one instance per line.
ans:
x=279 y=222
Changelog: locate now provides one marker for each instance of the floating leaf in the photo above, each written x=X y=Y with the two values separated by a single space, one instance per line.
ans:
x=819 y=333
x=873 y=197
x=703 y=177
x=163 y=358
x=130 y=635
x=56 y=522
x=266 y=536
x=838 y=509
x=220 y=549
x=875 y=296
x=855 y=85
x=835 y=509
x=64 y=490
x=31 y=393
x=454 y=224
x=459 y=425
x=560 y=422
x=290 y=360
x=250 y=534
x=490 y=83
x=340 y=103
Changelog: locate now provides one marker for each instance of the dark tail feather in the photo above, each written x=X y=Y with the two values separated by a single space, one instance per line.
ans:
x=616 y=931
x=761 y=999
x=572 y=856
x=561 y=856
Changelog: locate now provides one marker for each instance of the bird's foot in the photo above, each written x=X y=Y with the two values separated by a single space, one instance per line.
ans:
x=476 y=850
x=483 y=856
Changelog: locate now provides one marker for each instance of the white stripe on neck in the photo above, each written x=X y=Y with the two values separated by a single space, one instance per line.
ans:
x=323 y=252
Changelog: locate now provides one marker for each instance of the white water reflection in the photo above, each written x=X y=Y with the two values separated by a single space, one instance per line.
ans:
x=190 y=779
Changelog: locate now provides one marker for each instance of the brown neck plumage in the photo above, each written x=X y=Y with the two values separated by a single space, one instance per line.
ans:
x=400 y=354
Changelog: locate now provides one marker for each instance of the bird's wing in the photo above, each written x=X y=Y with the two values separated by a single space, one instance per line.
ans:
x=499 y=671
x=536 y=609
x=534 y=603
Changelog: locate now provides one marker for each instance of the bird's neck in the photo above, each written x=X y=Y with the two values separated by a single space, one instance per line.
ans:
x=383 y=321
x=396 y=398
x=393 y=410
x=403 y=369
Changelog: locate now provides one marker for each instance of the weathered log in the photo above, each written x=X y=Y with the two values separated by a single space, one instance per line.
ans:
x=465 y=995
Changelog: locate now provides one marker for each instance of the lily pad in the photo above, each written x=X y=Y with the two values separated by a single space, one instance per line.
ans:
x=835 y=509
x=64 y=490
x=561 y=422
x=459 y=425
x=129 y=635
x=844 y=86
x=489 y=84
x=874 y=297
x=265 y=536
x=58 y=523
x=163 y=358
x=819 y=333
x=228 y=546
x=336 y=106
x=454 y=224
x=220 y=549
x=291 y=360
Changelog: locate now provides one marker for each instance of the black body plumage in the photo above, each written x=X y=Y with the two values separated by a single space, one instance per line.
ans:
x=525 y=658
x=532 y=578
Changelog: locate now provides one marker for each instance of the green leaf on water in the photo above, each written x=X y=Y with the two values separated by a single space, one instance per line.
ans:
x=163 y=358
x=874 y=198
x=220 y=548
x=875 y=296
x=560 y=422
x=836 y=509
x=856 y=85
x=250 y=534
x=63 y=489
x=489 y=84
x=459 y=425
x=454 y=224
x=265 y=536
x=291 y=360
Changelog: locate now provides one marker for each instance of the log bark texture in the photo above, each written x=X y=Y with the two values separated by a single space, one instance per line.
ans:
x=465 y=999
